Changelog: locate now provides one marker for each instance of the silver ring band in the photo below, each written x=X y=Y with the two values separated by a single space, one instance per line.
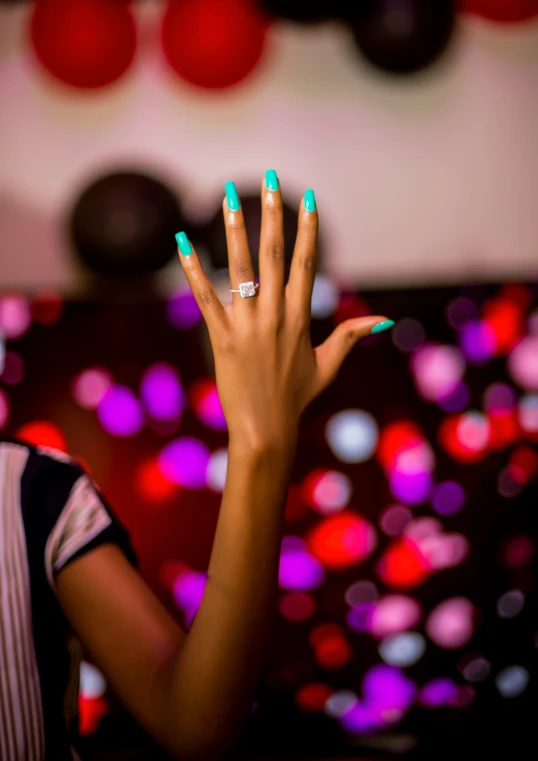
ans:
x=246 y=290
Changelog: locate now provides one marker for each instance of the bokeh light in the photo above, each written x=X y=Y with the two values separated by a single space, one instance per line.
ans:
x=402 y=649
x=151 y=483
x=15 y=316
x=325 y=296
x=119 y=412
x=90 y=386
x=523 y=363
x=458 y=400
x=511 y=603
x=361 y=591
x=476 y=670
x=528 y=413
x=447 y=498
x=298 y=569
x=47 y=307
x=217 y=468
x=437 y=693
x=512 y=681
x=437 y=371
x=330 y=645
x=13 y=368
x=465 y=437
x=352 y=435
x=393 y=614
x=313 y=696
x=340 y=702
x=402 y=565
x=188 y=590
x=342 y=540
x=92 y=682
x=4 y=409
x=182 y=310
x=408 y=334
x=394 y=518
x=450 y=625
x=161 y=393
x=327 y=491
x=460 y=311
x=43 y=433
x=204 y=400
x=518 y=551
x=185 y=461
x=297 y=606
x=477 y=342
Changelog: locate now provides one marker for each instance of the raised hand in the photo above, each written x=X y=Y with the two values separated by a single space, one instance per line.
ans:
x=267 y=371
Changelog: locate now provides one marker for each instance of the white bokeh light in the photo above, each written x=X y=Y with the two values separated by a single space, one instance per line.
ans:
x=216 y=470
x=352 y=435
x=325 y=296
x=403 y=649
x=510 y=604
x=340 y=702
x=512 y=681
x=92 y=682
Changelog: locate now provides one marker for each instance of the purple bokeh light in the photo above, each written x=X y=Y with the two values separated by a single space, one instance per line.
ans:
x=410 y=488
x=188 y=592
x=299 y=570
x=439 y=692
x=182 y=310
x=388 y=688
x=209 y=409
x=184 y=462
x=119 y=411
x=359 y=617
x=447 y=498
x=458 y=399
x=161 y=392
x=477 y=342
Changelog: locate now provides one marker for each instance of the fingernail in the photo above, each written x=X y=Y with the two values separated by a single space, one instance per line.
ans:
x=183 y=244
x=271 y=180
x=232 y=199
x=309 y=200
x=381 y=326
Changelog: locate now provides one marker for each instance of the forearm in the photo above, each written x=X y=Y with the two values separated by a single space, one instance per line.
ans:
x=214 y=677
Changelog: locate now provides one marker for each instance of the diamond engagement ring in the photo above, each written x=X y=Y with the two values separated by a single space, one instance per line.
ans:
x=246 y=289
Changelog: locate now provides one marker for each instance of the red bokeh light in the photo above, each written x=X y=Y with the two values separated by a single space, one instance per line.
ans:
x=333 y=653
x=152 y=485
x=42 y=433
x=396 y=438
x=85 y=44
x=214 y=43
x=295 y=507
x=524 y=460
x=505 y=319
x=341 y=540
x=450 y=440
x=323 y=632
x=47 y=307
x=91 y=711
x=350 y=306
x=403 y=566
x=297 y=606
x=504 y=428
x=312 y=697
x=501 y=10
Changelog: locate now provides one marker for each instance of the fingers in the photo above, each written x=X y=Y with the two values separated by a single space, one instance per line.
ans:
x=303 y=264
x=271 y=255
x=203 y=291
x=239 y=261
x=331 y=353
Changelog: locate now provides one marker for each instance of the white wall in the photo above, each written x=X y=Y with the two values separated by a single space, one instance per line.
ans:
x=434 y=180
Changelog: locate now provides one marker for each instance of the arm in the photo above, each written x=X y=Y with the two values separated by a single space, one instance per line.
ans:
x=193 y=692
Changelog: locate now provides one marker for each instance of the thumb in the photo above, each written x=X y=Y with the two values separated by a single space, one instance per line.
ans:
x=331 y=353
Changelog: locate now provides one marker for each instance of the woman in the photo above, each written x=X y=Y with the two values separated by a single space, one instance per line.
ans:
x=66 y=564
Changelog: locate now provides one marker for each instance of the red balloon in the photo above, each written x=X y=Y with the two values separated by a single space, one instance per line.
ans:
x=502 y=10
x=213 y=43
x=87 y=43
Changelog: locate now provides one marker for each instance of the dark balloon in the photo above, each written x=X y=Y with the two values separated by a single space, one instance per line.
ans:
x=402 y=36
x=125 y=224
x=214 y=237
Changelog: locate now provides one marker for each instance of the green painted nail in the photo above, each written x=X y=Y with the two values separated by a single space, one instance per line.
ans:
x=309 y=200
x=381 y=326
x=271 y=180
x=183 y=244
x=232 y=198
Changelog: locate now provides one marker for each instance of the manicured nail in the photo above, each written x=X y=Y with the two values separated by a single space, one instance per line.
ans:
x=381 y=326
x=271 y=180
x=232 y=198
x=183 y=244
x=309 y=200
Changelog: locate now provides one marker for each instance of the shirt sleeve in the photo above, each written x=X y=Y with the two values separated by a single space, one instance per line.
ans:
x=83 y=521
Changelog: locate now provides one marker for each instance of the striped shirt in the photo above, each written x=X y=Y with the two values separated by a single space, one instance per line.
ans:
x=51 y=512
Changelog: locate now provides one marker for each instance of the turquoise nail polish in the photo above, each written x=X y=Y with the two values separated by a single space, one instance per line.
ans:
x=232 y=198
x=183 y=244
x=309 y=200
x=271 y=180
x=381 y=326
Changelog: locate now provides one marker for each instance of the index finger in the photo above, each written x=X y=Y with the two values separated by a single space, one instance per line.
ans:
x=202 y=289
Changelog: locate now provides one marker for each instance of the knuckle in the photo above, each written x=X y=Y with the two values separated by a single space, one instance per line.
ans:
x=242 y=266
x=236 y=223
x=308 y=261
x=276 y=251
x=206 y=296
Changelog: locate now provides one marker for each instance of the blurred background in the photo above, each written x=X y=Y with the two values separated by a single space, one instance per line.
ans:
x=407 y=620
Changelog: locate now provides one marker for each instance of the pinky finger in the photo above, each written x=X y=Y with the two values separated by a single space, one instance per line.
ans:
x=204 y=293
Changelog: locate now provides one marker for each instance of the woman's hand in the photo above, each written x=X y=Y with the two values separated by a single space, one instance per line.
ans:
x=267 y=371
